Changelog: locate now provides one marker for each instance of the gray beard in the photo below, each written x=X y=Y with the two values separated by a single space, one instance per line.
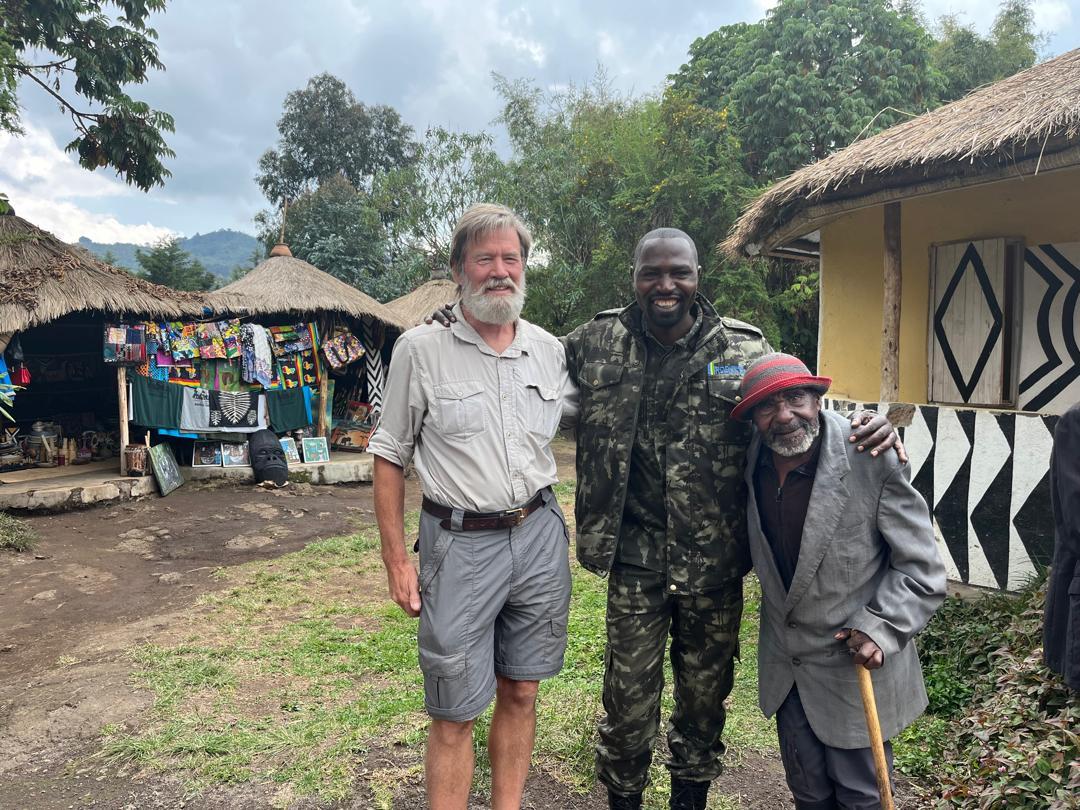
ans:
x=793 y=447
x=493 y=309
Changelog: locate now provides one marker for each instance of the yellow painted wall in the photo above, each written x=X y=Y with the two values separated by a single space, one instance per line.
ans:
x=1036 y=209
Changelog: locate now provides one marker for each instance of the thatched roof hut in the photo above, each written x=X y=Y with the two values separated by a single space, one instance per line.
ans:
x=42 y=279
x=433 y=294
x=1027 y=123
x=285 y=284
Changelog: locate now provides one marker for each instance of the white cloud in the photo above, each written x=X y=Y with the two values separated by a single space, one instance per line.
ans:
x=1052 y=15
x=45 y=185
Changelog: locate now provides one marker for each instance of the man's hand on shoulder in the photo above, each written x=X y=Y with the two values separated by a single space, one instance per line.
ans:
x=874 y=432
x=445 y=315
x=404 y=586
x=862 y=648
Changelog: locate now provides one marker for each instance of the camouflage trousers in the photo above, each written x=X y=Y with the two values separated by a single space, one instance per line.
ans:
x=704 y=630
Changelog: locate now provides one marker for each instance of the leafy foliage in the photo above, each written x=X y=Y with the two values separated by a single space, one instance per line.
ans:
x=966 y=60
x=15 y=534
x=811 y=77
x=325 y=132
x=169 y=264
x=99 y=55
x=1002 y=729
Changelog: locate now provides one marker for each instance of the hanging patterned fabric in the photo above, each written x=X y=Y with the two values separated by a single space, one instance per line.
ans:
x=376 y=374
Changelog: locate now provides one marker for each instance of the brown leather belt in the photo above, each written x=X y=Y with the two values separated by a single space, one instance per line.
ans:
x=476 y=521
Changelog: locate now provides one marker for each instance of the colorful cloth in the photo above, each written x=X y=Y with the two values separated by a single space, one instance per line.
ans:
x=125 y=344
x=185 y=375
x=232 y=409
x=299 y=369
x=182 y=341
x=230 y=335
x=211 y=344
x=195 y=413
x=257 y=357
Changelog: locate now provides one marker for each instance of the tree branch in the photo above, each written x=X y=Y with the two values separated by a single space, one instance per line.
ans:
x=76 y=115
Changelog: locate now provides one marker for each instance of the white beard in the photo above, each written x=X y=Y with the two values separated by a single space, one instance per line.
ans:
x=782 y=445
x=494 y=309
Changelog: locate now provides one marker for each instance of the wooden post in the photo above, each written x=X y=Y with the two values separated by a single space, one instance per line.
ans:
x=890 y=318
x=121 y=390
x=324 y=392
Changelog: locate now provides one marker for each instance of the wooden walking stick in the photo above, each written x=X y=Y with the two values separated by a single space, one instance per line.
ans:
x=881 y=767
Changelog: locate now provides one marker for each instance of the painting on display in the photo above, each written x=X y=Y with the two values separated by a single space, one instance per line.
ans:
x=315 y=450
x=166 y=470
x=292 y=454
x=235 y=454
x=206 y=454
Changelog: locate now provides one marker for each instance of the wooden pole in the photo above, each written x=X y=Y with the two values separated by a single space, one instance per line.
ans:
x=877 y=746
x=121 y=390
x=890 y=319
x=324 y=392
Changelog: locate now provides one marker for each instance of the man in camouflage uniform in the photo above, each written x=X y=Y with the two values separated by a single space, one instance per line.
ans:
x=661 y=506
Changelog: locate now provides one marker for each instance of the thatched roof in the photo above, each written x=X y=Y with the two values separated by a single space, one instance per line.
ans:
x=284 y=284
x=1026 y=123
x=42 y=279
x=424 y=300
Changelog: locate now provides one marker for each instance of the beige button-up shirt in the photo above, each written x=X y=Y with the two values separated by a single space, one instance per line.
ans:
x=476 y=424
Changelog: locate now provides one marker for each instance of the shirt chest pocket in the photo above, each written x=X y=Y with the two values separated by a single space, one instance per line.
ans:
x=459 y=407
x=542 y=411
x=600 y=389
x=717 y=426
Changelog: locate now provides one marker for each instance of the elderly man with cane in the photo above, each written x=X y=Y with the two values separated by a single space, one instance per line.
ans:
x=850 y=572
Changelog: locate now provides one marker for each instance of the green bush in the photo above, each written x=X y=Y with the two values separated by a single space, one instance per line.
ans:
x=15 y=534
x=1016 y=742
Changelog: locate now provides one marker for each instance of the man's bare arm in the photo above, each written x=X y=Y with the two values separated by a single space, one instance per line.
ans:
x=389 y=484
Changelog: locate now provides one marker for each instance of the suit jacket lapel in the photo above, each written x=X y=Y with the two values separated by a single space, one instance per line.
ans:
x=828 y=501
x=772 y=583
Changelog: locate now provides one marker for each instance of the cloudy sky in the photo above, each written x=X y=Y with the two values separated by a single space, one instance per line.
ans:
x=229 y=64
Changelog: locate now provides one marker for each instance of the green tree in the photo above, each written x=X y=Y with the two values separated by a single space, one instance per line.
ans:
x=325 y=132
x=812 y=77
x=338 y=229
x=966 y=60
x=51 y=43
x=421 y=201
x=169 y=264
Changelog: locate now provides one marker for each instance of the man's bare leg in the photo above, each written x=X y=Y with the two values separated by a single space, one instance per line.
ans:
x=510 y=741
x=448 y=764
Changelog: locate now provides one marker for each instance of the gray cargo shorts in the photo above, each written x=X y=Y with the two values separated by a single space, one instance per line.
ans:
x=491 y=602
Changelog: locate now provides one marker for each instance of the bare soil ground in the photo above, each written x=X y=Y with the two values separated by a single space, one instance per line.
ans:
x=104 y=580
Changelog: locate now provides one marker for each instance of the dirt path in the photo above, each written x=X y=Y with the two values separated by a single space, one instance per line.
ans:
x=103 y=580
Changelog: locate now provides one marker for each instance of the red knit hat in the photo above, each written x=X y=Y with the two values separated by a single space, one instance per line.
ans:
x=772 y=373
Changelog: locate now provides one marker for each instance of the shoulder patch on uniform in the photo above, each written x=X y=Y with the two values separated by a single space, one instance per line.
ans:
x=718 y=369
x=735 y=323
x=608 y=313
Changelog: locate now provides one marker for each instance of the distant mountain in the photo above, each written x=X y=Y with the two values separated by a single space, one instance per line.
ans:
x=219 y=252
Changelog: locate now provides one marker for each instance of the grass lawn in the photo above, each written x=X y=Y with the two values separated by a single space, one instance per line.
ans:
x=301 y=673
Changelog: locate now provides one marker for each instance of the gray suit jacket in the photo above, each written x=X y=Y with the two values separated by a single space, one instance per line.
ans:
x=869 y=561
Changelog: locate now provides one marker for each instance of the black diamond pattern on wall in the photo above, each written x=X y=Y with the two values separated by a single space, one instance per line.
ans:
x=952 y=511
x=970 y=259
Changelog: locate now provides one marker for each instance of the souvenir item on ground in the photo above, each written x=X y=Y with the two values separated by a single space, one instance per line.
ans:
x=235 y=454
x=268 y=459
x=125 y=344
x=343 y=349
x=206 y=454
x=137 y=459
x=315 y=450
x=166 y=470
x=292 y=454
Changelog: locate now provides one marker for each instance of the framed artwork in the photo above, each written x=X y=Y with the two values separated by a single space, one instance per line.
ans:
x=316 y=450
x=166 y=470
x=235 y=454
x=292 y=454
x=206 y=454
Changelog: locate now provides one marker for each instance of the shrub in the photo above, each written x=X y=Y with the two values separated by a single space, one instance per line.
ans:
x=1017 y=743
x=15 y=534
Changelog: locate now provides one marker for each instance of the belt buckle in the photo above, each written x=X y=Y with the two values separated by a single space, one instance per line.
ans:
x=516 y=516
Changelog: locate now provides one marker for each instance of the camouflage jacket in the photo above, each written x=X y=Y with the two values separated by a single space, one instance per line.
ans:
x=705 y=495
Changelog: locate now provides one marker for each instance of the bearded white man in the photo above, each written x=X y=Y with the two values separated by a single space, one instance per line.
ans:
x=474 y=408
x=849 y=570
